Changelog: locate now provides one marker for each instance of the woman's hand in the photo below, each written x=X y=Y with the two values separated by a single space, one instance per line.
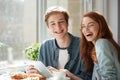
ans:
x=70 y=75
x=30 y=70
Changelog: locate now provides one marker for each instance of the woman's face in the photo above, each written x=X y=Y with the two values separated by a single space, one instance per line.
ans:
x=90 y=29
x=57 y=25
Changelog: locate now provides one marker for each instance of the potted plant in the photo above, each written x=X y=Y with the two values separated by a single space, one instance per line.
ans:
x=31 y=52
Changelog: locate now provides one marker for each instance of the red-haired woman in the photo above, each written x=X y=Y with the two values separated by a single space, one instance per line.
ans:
x=98 y=48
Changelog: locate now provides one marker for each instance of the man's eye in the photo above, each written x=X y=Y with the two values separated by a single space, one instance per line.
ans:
x=52 y=24
x=82 y=27
x=61 y=21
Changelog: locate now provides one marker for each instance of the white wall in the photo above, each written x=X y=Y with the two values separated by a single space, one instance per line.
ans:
x=119 y=22
x=112 y=11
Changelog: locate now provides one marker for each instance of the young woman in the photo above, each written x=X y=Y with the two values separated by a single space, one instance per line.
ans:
x=98 y=48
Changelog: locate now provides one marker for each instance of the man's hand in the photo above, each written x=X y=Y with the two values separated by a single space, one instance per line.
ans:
x=30 y=70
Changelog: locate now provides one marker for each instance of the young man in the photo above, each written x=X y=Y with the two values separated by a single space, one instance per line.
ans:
x=62 y=51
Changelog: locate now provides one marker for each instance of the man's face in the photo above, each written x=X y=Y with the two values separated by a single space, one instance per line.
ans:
x=57 y=25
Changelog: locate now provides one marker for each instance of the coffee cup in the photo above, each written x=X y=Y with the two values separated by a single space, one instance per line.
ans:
x=59 y=75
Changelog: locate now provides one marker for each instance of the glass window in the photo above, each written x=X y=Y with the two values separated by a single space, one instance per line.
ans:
x=17 y=27
x=22 y=22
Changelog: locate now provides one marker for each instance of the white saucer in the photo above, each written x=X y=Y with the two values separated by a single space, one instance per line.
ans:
x=52 y=78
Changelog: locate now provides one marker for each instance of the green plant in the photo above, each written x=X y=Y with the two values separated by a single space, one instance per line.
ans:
x=31 y=52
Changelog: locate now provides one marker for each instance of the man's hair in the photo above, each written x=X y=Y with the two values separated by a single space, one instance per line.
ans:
x=56 y=9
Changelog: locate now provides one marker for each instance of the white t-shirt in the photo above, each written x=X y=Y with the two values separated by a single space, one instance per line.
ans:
x=63 y=58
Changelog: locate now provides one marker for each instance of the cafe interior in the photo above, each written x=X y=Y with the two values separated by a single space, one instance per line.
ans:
x=22 y=27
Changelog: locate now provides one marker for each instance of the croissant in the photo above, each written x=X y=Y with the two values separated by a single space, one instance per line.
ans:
x=24 y=76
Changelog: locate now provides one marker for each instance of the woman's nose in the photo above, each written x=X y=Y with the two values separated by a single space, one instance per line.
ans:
x=87 y=28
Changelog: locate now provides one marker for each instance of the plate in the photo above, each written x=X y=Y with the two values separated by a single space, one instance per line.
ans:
x=52 y=78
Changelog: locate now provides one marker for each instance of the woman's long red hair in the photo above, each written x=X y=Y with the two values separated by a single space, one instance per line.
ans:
x=86 y=48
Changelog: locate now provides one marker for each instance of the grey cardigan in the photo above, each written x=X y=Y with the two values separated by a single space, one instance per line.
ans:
x=49 y=53
x=108 y=66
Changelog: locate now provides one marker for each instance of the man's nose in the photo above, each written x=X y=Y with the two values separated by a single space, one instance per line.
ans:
x=58 y=26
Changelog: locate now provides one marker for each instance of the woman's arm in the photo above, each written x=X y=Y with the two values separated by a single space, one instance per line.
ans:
x=106 y=63
x=71 y=76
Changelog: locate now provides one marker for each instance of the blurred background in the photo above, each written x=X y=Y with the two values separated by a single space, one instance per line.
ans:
x=22 y=22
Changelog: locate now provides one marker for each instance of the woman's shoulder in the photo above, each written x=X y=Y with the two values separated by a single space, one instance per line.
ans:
x=104 y=44
x=102 y=41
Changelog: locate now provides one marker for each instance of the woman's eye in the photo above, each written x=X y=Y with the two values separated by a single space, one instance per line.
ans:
x=91 y=25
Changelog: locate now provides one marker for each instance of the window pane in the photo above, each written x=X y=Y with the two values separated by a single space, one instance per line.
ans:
x=17 y=27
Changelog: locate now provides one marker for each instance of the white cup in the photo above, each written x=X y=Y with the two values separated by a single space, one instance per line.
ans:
x=59 y=75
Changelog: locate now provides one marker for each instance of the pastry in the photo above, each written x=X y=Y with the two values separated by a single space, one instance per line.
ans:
x=24 y=76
